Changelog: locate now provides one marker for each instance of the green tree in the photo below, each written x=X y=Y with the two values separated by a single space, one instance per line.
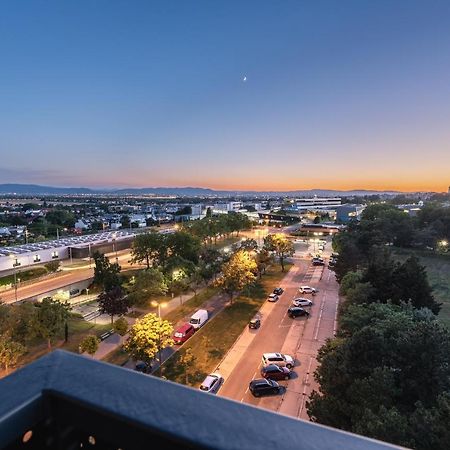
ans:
x=237 y=273
x=113 y=302
x=281 y=246
x=148 y=248
x=121 y=326
x=263 y=259
x=105 y=273
x=89 y=344
x=10 y=351
x=51 y=319
x=149 y=283
x=148 y=337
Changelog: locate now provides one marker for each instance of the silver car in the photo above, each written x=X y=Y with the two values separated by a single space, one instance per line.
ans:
x=300 y=301
x=212 y=383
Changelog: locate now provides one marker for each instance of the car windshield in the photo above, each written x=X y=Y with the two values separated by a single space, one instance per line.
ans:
x=194 y=321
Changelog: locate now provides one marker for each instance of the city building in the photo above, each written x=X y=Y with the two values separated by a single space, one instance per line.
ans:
x=346 y=213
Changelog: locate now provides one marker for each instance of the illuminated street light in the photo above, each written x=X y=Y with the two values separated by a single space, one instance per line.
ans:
x=158 y=305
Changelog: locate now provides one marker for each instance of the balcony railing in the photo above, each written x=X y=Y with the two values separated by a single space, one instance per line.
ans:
x=65 y=401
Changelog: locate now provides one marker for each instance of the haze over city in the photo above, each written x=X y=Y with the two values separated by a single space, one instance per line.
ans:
x=232 y=95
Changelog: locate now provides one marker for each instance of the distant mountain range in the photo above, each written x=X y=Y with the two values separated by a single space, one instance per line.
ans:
x=33 y=189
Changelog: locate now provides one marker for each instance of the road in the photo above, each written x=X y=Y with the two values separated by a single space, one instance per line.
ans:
x=70 y=275
x=301 y=338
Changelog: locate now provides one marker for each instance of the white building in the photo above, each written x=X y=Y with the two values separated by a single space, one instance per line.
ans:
x=317 y=203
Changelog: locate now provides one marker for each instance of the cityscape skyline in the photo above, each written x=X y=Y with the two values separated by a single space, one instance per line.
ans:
x=254 y=96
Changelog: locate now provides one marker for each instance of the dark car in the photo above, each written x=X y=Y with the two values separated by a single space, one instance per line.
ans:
x=264 y=387
x=254 y=323
x=318 y=262
x=274 y=372
x=278 y=291
x=297 y=312
x=143 y=367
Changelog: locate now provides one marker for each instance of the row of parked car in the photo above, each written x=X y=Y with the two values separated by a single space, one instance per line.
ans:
x=187 y=330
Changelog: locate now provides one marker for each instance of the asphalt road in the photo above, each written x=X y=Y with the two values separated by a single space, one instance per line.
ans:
x=300 y=338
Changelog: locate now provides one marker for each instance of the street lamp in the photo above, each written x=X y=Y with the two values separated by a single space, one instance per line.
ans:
x=158 y=305
x=15 y=264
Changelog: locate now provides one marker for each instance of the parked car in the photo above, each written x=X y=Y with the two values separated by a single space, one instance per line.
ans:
x=212 y=383
x=307 y=290
x=199 y=318
x=183 y=333
x=296 y=311
x=278 y=359
x=262 y=386
x=273 y=298
x=273 y=372
x=300 y=301
x=278 y=291
x=143 y=367
x=254 y=323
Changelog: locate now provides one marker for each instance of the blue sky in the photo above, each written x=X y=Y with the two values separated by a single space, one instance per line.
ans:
x=339 y=94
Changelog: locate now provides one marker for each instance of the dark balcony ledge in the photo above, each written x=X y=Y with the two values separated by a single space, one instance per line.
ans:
x=65 y=398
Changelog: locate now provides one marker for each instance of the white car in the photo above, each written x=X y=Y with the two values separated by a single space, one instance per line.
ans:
x=212 y=383
x=300 y=301
x=307 y=290
x=273 y=298
x=278 y=359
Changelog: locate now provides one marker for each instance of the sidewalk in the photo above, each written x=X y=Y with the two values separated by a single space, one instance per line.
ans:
x=115 y=340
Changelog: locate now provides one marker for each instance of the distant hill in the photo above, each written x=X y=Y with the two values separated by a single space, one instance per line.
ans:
x=27 y=189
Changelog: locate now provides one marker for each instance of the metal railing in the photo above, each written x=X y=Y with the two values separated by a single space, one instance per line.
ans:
x=66 y=401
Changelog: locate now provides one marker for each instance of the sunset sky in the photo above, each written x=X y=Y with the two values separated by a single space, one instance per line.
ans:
x=338 y=94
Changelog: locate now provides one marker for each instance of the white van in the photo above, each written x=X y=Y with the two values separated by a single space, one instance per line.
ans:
x=199 y=318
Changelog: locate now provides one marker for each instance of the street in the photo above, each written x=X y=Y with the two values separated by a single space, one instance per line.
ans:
x=301 y=338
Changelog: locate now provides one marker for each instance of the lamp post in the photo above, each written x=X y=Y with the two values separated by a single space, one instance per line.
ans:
x=15 y=264
x=158 y=305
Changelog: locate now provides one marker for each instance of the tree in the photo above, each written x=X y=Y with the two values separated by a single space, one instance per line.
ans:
x=51 y=318
x=182 y=245
x=147 y=337
x=10 y=351
x=263 y=259
x=411 y=285
x=249 y=245
x=187 y=360
x=105 y=273
x=148 y=247
x=280 y=245
x=121 y=326
x=113 y=302
x=237 y=273
x=388 y=367
x=149 y=283
x=89 y=345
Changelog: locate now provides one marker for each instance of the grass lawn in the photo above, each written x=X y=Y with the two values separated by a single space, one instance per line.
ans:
x=78 y=329
x=438 y=269
x=210 y=344
x=118 y=357
x=26 y=275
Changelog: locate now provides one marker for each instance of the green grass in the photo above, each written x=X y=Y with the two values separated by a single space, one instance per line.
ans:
x=210 y=344
x=438 y=269
x=26 y=275
x=119 y=357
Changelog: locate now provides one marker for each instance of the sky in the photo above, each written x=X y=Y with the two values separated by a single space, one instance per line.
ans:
x=126 y=93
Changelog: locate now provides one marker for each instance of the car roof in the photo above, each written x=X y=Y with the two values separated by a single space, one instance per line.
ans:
x=272 y=355
x=183 y=327
x=259 y=381
x=210 y=379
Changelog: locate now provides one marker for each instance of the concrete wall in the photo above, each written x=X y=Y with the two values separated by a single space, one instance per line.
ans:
x=26 y=260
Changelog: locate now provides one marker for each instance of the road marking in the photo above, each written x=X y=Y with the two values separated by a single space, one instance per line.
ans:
x=316 y=334
x=336 y=315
